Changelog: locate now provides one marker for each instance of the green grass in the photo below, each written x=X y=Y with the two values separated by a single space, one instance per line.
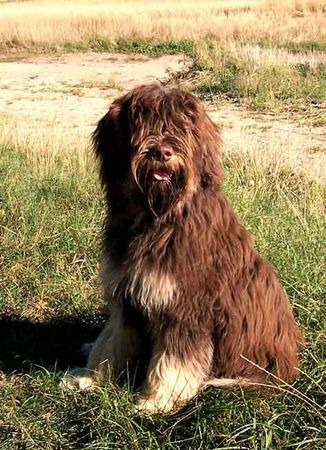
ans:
x=221 y=71
x=147 y=47
x=295 y=46
x=49 y=303
x=98 y=43
x=268 y=88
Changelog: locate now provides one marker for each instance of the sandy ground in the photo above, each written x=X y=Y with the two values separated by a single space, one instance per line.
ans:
x=74 y=91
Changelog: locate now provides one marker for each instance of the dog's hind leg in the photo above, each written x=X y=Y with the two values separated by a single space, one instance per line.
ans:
x=173 y=379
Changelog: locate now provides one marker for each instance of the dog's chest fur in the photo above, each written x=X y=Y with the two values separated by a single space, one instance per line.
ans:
x=134 y=264
x=148 y=286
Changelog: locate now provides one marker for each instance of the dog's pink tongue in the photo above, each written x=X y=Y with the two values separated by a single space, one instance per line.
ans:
x=161 y=175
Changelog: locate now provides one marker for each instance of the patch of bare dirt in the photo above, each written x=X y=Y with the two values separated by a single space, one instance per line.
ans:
x=299 y=146
x=75 y=87
x=75 y=90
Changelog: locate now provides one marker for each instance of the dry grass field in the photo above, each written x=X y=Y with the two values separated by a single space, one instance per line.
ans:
x=260 y=68
x=43 y=22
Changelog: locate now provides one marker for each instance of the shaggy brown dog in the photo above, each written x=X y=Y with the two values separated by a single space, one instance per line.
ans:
x=180 y=272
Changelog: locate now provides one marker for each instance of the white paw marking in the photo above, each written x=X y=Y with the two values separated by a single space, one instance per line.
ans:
x=78 y=379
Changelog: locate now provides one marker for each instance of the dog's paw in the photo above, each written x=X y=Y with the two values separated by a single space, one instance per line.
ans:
x=78 y=379
x=147 y=406
x=150 y=406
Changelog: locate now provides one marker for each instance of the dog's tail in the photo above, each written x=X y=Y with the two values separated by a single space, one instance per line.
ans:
x=229 y=383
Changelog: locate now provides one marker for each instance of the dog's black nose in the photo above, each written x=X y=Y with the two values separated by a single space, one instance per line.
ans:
x=161 y=154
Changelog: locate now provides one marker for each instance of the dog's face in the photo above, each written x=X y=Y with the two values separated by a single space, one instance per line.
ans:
x=157 y=143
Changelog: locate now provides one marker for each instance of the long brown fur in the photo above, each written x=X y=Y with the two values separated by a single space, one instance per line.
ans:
x=179 y=270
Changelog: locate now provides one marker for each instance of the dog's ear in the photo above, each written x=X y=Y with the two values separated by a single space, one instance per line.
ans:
x=210 y=164
x=107 y=130
x=106 y=141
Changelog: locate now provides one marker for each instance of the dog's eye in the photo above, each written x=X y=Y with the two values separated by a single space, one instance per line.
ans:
x=145 y=112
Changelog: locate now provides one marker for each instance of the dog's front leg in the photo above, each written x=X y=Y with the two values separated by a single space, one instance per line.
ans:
x=117 y=345
x=177 y=370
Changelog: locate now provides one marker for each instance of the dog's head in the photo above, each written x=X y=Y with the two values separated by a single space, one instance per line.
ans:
x=157 y=144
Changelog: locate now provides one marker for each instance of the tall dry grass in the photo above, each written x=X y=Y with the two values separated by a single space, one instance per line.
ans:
x=48 y=143
x=41 y=22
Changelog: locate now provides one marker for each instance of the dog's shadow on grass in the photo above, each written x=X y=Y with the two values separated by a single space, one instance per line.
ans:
x=58 y=344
